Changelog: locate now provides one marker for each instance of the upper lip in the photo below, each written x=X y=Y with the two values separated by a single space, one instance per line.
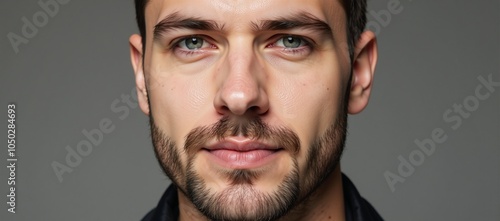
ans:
x=241 y=145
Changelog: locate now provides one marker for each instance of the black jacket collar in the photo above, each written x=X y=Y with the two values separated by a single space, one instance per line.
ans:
x=356 y=207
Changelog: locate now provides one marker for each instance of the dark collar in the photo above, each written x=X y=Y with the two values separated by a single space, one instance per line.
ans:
x=356 y=207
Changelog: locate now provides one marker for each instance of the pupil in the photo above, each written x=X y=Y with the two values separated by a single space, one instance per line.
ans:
x=291 y=42
x=194 y=43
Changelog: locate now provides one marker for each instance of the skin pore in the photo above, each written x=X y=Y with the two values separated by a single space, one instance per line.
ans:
x=225 y=72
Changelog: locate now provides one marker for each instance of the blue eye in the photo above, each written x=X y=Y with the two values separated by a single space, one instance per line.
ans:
x=192 y=43
x=295 y=46
x=290 y=42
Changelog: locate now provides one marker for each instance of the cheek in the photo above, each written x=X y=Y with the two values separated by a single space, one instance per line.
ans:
x=310 y=101
x=310 y=106
x=180 y=102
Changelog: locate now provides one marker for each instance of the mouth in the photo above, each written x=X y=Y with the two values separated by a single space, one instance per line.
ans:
x=242 y=153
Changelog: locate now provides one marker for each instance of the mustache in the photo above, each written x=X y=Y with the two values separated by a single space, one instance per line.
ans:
x=253 y=128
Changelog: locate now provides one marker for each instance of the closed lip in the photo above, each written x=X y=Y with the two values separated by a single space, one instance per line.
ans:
x=241 y=144
x=241 y=153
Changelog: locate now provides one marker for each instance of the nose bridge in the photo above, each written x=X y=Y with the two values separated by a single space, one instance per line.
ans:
x=241 y=89
x=241 y=75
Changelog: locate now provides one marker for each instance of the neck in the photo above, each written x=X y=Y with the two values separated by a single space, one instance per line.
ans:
x=325 y=203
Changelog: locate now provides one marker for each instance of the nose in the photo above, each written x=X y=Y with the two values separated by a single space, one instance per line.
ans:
x=241 y=90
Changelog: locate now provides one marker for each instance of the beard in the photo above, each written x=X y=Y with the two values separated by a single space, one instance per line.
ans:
x=241 y=200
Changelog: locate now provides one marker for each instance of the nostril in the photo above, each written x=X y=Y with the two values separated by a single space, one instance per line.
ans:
x=223 y=110
x=254 y=109
x=257 y=110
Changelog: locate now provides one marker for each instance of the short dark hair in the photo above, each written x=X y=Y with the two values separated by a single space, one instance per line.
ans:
x=355 y=12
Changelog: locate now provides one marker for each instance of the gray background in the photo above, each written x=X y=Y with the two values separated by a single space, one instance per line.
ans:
x=430 y=57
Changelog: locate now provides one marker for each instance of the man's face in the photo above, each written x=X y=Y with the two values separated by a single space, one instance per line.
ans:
x=247 y=100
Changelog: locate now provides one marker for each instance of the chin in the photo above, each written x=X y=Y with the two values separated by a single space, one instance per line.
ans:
x=243 y=195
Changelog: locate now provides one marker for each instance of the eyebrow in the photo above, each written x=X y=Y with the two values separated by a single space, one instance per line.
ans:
x=303 y=20
x=177 y=21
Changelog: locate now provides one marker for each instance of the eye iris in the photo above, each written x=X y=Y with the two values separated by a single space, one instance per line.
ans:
x=291 y=42
x=194 y=43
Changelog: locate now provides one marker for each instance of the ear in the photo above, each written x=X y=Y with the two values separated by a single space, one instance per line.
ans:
x=136 y=57
x=363 y=68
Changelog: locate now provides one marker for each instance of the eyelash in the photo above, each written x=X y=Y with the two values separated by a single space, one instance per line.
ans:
x=175 y=45
x=308 y=44
x=187 y=53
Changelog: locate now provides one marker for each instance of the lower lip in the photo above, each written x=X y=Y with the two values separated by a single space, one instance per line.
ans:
x=243 y=160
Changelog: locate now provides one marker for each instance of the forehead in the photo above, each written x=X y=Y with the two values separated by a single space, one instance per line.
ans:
x=240 y=14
